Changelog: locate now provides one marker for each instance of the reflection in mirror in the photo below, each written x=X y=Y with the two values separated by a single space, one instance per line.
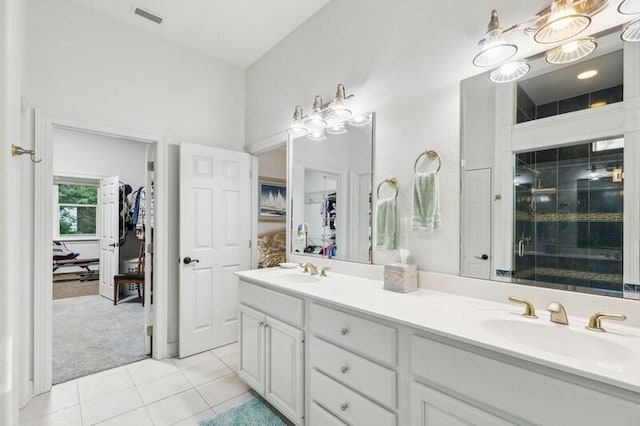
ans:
x=569 y=216
x=330 y=187
x=545 y=200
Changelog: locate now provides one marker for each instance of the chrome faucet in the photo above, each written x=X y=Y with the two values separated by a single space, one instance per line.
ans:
x=558 y=314
x=310 y=268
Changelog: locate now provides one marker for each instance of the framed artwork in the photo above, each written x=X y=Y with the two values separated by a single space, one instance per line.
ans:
x=272 y=201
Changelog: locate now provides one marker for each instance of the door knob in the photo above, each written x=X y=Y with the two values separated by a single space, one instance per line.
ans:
x=114 y=245
x=187 y=260
x=483 y=257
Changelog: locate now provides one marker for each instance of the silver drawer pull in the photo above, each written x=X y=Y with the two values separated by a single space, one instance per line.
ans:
x=344 y=331
x=344 y=369
x=344 y=406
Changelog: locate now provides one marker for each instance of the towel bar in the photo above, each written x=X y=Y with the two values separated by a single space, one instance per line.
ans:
x=432 y=155
x=393 y=182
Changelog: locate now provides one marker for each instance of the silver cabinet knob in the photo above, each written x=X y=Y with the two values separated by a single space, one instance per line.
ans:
x=344 y=406
x=344 y=369
x=344 y=331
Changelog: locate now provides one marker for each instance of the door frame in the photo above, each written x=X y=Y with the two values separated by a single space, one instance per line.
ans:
x=45 y=123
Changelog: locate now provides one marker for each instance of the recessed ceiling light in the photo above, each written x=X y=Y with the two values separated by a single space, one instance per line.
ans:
x=587 y=74
x=597 y=104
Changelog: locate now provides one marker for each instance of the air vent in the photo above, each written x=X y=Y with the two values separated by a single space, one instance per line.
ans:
x=148 y=15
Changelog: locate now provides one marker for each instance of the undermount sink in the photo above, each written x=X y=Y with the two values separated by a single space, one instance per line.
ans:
x=294 y=277
x=611 y=350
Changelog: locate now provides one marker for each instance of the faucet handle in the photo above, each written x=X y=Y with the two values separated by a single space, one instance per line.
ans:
x=323 y=271
x=595 y=322
x=529 y=309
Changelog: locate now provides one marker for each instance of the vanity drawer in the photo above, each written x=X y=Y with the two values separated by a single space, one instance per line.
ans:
x=366 y=337
x=278 y=305
x=373 y=380
x=320 y=417
x=347 y=405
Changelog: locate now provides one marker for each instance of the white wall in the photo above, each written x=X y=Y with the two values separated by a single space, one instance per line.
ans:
x=404 y=60
x=82 y=63
x=272 y=164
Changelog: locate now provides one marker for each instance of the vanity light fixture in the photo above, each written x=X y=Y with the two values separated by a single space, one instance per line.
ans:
x=631 y=31
x=587 y=74
x=297 y=126
x=315 y=120
x=337 y=109
x=360 y=120
x=317 y=135
x=494 y=49
x=563 y=23
x=336 y=128
x=571 y=51
x=510 y=71
x=629 y=7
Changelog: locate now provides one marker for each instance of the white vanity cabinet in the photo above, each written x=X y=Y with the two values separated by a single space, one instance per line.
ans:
x=272 y=351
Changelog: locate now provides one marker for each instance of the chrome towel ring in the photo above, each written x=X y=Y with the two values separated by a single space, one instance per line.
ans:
x=431 y=155
x=393 y=182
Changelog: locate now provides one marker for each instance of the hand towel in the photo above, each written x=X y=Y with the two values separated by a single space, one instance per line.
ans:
x=426 y=202
x=386 y=224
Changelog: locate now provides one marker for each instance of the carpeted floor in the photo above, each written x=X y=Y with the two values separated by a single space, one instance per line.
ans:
x=91 y=335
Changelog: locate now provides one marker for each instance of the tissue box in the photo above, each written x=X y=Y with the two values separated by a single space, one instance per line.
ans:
x=400 y=277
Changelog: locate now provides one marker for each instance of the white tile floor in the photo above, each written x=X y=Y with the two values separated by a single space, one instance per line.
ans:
x=169 y=392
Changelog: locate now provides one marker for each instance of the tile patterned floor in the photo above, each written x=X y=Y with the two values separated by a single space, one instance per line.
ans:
x=149 y=392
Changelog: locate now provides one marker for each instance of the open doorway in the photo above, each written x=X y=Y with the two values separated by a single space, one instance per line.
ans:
x=102 y=214
x=272 y=184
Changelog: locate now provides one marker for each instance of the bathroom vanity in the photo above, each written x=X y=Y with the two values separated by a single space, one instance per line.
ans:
x=340 y=350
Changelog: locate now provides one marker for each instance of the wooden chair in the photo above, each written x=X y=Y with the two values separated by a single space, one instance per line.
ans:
x=136 y=277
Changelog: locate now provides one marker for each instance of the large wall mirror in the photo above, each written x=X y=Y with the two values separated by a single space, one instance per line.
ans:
x=330 y=184
x=550 y=174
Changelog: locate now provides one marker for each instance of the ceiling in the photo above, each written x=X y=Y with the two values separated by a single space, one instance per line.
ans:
x=235 y=31
x=563 y=82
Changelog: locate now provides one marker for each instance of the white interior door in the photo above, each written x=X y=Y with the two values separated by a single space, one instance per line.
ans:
x=109 y=234
x=215 y=235
x=476 y=224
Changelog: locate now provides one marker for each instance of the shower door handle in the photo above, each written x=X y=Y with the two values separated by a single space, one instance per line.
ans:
x=521 y=248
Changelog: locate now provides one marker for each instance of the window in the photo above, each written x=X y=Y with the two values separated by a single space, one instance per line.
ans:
x=77 y=209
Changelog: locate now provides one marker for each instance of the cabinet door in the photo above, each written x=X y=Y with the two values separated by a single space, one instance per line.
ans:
x=284 y=372
x=252 y=325
x=432 y=408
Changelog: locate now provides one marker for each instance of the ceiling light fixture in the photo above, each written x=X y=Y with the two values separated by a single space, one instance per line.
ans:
x=587 y=74
x=631 y=31
x=509 y=72
x=563 y=23
x=571 y=51
x=629 y=7
x=597 y=104
x=494 y=49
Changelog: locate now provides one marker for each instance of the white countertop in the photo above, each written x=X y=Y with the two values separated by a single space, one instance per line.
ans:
x=456 y=317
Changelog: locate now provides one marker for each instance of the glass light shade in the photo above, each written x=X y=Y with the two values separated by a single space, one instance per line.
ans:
x=317 y=135
x=571 y=52
x=336 y=129
x=508 y=72
x=563 y=23
x=631 y=31
x=338 y=111
x=297 y=129
x=629 y=7
x=359 y=120
x=495 y=54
